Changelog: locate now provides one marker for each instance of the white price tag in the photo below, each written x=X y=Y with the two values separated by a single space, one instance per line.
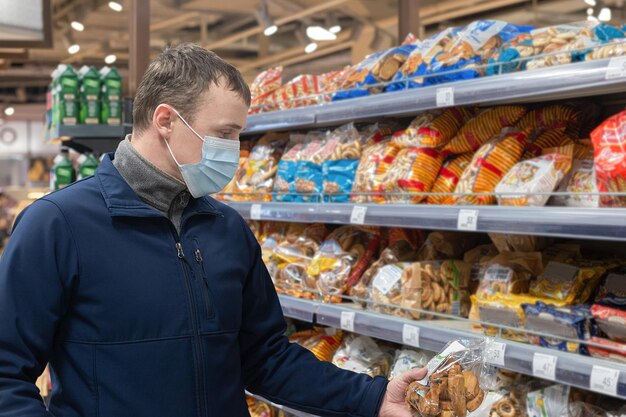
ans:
x=358 y=215
x=347 y=321
x=544 y=366
x=468 y=220
x=411 y=335
x=604 y=380
x=445 y=97
x=495 y=353
x=616 y=68
x=255 y=212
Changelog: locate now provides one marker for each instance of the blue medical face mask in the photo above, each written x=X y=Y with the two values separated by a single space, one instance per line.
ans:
x=220 y=159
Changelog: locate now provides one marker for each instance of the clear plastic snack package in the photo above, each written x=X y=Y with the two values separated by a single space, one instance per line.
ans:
x=407 y=359
x=364 y=180
x=548 y=402
x=342 y=258
x=456 y=382
x=308 y=178
x=550 y=117
x=339 y=170
x=286 y=173
x=386 y=288
x=258 y=181
x=361 y=354
x=535 y=178
x=412 y=173
x=509 y=273
x=580 y=183
x=611 y=321
x=562 y=282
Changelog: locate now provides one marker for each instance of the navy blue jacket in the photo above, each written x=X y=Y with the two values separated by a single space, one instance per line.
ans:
x=136 y=320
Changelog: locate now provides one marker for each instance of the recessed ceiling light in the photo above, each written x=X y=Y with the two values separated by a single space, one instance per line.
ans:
x=310 y=48
x=9 y=111
x=73 y=48
x=605 y=15
x=318 y=33
x=110 y=59
x=270 y=30
x=115 y=6
x=76 y=25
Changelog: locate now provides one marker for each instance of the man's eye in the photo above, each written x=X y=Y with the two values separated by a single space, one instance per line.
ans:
x=226 y=134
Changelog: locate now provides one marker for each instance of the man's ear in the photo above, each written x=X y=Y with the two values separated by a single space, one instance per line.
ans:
x=162 y=120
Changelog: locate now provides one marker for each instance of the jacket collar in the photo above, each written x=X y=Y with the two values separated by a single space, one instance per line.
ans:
x=122 y=201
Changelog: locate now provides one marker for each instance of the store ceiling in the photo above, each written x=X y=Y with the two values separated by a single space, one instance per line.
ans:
x=232 y=28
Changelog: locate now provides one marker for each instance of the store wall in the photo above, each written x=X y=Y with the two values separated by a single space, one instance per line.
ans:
x=24 y=138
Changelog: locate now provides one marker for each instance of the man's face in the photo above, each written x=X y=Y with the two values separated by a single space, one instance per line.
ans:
x=220 y=112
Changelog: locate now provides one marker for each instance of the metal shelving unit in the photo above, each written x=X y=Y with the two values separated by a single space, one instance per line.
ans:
x=571 y=369
x=581 y=79
x=584 y=223
x=281 y=407
x=99 y=138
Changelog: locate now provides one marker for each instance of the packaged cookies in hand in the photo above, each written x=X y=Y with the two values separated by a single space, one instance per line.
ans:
x=448 y=178
x=609 y=144
x=452 y=386
x=488 y=166
x=529 y=182
x=483 y=127
x=342 y=258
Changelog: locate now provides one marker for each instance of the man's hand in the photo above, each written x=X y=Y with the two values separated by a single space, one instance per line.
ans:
x=393 y=402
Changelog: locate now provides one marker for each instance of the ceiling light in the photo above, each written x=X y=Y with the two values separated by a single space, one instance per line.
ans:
x=310 y=48
x=73 y=48
x=76 y=25
x=333 y=23
x=589 y=11
x=115 y=6
x=318 y=33
x=110 y=59
x=604 y=15
x=270 y=30
x=591 y=2
x=9 y=111
x=335 y=29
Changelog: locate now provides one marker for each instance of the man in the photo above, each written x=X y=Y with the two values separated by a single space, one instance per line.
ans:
x=149 y=298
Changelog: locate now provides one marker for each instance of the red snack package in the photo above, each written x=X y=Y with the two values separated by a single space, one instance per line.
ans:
x=609 y=146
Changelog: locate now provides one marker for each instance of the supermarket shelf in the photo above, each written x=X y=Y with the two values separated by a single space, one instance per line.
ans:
x=584 y=223
x=66 y=132
x=560 y=82
x=281 y=407
x=571 y=369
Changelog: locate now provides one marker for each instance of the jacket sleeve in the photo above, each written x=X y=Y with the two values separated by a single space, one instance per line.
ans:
x=287 y=373
x=36 y=268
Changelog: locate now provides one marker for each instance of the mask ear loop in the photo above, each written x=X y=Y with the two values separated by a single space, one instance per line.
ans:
x=171 y=153
x=186 y=124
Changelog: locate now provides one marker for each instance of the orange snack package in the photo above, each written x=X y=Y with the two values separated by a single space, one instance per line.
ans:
x=448 y=178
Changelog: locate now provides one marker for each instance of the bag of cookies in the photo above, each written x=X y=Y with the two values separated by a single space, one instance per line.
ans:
x=362 y=355
x=455 y=384
x=562 y=282
x=580 y=183
x=488 y=123
x=512 y=56
x=258 y=180
x=402 y=247
x=342 y=258
x=448 y=177
x=556 y=43
x=548 y=139
x=534 y=178
x=307 y=178
x=509 y=273
x=412 y=174
x=386 y=288
x=366 y=171
x=301 y=91
x=323 y=343
x=550 y=117
x=232 y=192
x=339 y=170
x=286 y=174
x=492 y=161
x=354 y=84
x=609 y=145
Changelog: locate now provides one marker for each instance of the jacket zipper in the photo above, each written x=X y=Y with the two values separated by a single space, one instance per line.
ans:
x=198 y=355
x=208 y=305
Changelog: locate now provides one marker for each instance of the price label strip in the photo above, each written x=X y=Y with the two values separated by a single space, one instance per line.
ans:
x=358 y=215
x=495 y=353
x=544 y=366
x=616 y=68
x=604 y=380
x=347 y=321
x=411 y=335
x=468 y=220
x=255 y=212
x=445 y=97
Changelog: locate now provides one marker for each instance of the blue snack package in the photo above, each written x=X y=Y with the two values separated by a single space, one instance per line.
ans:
x=472 y=48
x=286 y=172
x=510 y=57
x=308 y=180
x=570 y=323
x=338 y=177
x=607 y=33
x=358 y=76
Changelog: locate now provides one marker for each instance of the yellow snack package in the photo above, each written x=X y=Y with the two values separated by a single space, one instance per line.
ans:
x=562 y=282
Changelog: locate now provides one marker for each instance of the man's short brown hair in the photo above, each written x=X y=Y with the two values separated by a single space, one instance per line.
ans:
x=178 y=77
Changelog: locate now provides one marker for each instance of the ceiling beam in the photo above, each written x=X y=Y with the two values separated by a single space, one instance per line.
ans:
x=184 y=19
x=327 y=5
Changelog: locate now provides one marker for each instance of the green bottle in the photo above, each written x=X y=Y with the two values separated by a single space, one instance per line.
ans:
x=89 y=96
x=65 y=96
x=87 y=165
x=62 y=173
x=111 y=113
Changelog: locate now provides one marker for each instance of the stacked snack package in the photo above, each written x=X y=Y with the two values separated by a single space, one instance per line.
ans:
x=472 y=47
x=342 y=258
x=456 y=384
x=529 y=182
x=371 y=173
x=286 y=173
x=258 y=180
x=511 y=56
x=361 y=354
x=294 y=255
x=546 y=139
x=323 y=343
x=448 y=178
x=483 y=127
x=339 y=170
x=263 y=85
x=492 y=161
x=307 y=180
x=232 y=192
x=580 y=183
x=553 y=117
x=412 y=173
x=301 y=91
x=609 y=313
x=609 y=145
